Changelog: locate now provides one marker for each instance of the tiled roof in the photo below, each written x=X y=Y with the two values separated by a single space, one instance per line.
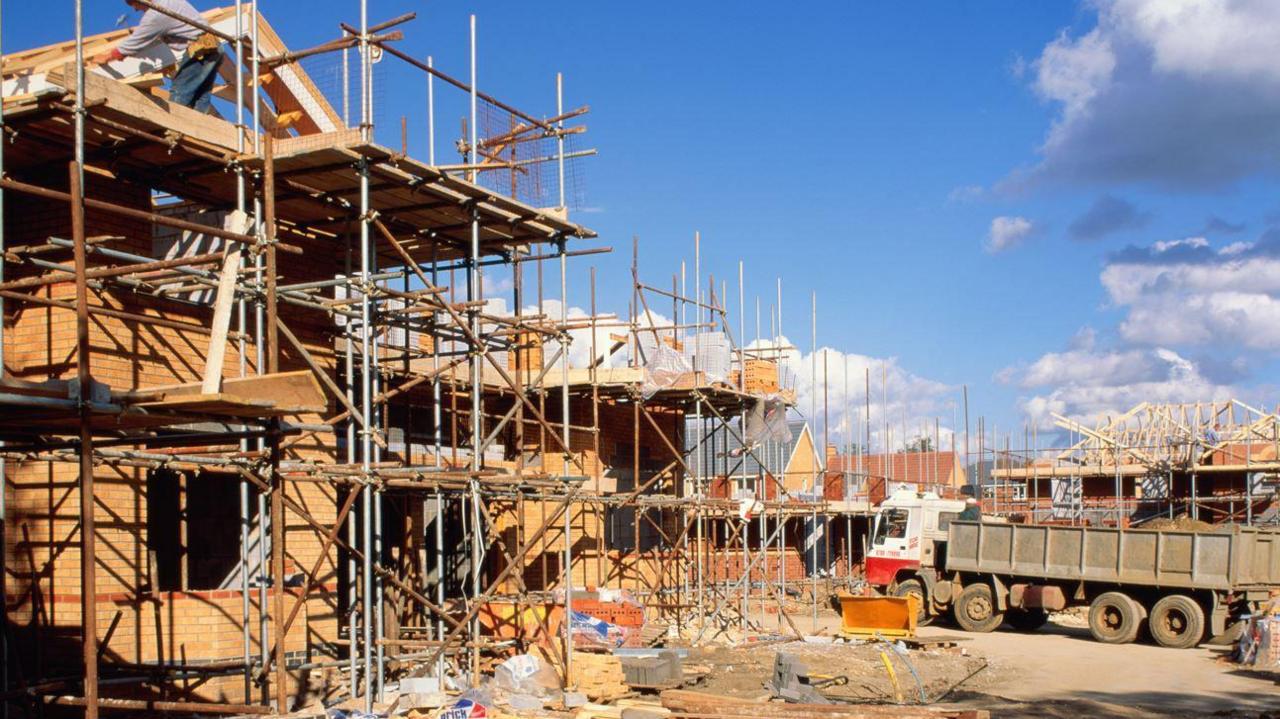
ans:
x=914 y=467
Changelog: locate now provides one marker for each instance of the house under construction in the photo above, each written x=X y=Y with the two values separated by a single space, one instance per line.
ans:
x=1211 y=462
x=266 y=443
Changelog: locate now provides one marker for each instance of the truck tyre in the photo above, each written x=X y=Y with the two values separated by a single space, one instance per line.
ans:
x=913 y=588
x=975 y=609
x=1177 y=621
x=1027 y=620
x=1114 y=618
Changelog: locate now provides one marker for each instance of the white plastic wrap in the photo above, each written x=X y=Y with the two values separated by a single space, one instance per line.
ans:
x=663 y=369
x=767 y=422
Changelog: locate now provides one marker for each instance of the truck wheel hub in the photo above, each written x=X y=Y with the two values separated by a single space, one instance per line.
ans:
x=1175 y=623
x=978 y=608
x=1112 y=618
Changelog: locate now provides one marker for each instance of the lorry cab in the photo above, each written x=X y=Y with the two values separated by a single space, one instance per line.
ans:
x=908 y=538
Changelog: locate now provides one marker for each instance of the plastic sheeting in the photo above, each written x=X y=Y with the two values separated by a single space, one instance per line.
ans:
x=767 y=422
x=663 y=370
x=1259 y=645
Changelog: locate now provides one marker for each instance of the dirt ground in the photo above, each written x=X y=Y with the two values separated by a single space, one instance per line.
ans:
x=1057 y=671
x=743 y=671
x=1060 y=671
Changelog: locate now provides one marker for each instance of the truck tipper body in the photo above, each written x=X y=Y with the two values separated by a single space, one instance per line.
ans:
x=1180 y=585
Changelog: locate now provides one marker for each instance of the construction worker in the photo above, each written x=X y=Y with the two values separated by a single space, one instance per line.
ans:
x=972 y=511
x=199 y=52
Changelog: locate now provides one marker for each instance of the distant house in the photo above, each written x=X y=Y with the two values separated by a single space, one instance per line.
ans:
x=878 y=475
x=716 y=454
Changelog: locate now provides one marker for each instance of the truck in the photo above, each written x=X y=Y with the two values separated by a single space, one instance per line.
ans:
x=1181 y=586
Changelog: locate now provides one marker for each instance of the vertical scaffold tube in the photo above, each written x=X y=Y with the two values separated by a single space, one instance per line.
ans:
x=366 y=438
x=477 y=356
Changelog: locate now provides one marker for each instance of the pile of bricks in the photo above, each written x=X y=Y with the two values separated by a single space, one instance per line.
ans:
x=599 y=676
x=619 y=613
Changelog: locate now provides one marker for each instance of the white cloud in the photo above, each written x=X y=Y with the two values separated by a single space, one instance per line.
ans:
x=1007 y=232
x=1248 y=319
x=1086 y=365
x=1235 y=248
x=1218 y=38
x=1163 y=246
x=580 y=345
x=1185 y=292
x=1073 y=72
x=1174 y=93
x=897 y=396
x=1085 y=384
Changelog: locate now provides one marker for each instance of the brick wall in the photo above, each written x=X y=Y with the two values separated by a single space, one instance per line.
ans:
x=42 y=548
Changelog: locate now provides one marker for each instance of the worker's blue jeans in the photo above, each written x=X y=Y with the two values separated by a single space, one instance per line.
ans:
x=193 y=83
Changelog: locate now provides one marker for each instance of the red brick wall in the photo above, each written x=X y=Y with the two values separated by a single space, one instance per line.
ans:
x=42 y=548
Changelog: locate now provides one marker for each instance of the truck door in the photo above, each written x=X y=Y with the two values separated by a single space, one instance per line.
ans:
x=895 y=544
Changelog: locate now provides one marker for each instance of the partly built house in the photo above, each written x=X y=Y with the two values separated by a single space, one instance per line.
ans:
x=264 y=442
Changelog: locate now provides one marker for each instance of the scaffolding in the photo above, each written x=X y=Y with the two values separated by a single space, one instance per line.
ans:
x=1217 y=462
x=318 y=435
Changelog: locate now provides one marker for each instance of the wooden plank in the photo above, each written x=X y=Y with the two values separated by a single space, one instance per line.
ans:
x=143 y=109
x=296 y=390
x=222 y=305
x=305 y=143
x=212 y=403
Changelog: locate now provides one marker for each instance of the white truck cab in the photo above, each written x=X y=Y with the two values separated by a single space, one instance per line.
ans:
x=910 y=530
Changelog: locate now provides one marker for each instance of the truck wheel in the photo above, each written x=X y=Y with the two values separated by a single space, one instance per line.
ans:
x=913 y=588
x=1114 y=618
x=1027 y=620
x=1177 y=621
x=976 y=609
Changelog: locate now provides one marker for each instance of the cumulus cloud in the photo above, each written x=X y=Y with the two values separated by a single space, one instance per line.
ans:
x=908 y=402
x=1187 y=292
x=1085 y=384
x=1007 y=233
x=1172 y=93
x=1107 y=215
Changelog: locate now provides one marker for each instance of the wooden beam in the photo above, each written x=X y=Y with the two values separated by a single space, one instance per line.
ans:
x=222 y=306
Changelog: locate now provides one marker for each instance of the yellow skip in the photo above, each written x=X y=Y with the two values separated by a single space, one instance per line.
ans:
x=866 y=617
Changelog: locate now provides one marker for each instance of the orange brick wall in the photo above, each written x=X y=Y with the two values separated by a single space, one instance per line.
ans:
x=42 y=550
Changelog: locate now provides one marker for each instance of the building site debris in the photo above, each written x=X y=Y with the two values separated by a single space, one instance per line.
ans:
x=793 y=683
x=699 y=705
x=851 y=672
x=1259 y=642
x=664 y=670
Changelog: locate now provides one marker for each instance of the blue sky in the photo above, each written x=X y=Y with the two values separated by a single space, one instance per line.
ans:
x=981 y=193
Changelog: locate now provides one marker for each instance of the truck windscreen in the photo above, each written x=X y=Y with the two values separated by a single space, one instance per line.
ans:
x=891 y=524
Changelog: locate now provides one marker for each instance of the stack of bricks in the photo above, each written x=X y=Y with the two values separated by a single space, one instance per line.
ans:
x=526 y=355
x=619 y=613
x=762 y=376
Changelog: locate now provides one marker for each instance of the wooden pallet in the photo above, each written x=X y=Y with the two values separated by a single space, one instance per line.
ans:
x=942 y=642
